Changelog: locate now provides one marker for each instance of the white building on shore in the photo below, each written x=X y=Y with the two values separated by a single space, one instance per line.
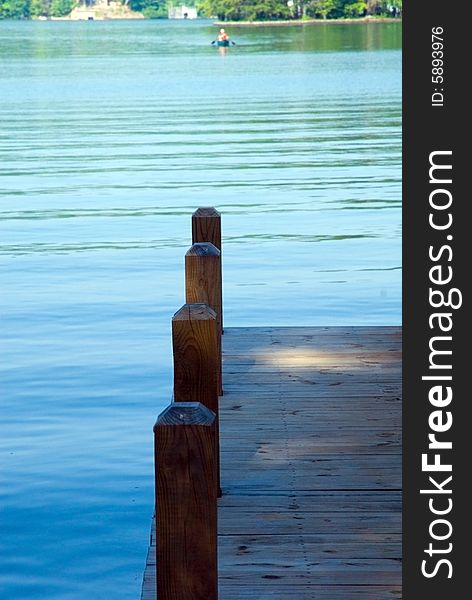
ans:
x=182 y=12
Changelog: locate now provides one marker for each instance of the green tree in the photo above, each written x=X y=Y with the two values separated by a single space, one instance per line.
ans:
x=320 y=8
x=397 y=6
x=245 y=10
x=152 y=9
x=355 y=9
x=14 y=9
x=384 y=7
x=61 y=8
x=40 y=8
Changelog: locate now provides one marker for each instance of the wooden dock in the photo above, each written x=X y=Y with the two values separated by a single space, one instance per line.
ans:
x=310 y=435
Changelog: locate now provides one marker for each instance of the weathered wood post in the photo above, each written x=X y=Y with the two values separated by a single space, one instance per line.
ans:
x=186 y=515
x=203 y=285
x=206 y=227
x=196 y=362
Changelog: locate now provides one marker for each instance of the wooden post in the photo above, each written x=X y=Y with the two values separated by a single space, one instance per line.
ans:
x=203 y=285
x=196 y=362
x=186 y=516
x=206 y=227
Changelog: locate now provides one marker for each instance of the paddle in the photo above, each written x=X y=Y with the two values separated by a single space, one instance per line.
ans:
x=231 y=42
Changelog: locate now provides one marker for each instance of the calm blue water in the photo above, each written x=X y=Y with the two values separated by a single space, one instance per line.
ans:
x=111 y=134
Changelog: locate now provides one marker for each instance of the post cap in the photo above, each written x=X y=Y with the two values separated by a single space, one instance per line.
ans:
x=206 y=211
x=194 y=312
x=203 y=249
x=185 y=413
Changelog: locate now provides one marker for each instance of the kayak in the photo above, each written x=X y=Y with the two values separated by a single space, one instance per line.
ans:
x=223 y=43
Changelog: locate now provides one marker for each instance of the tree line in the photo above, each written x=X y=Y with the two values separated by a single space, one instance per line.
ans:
x=33 y=9
x=225 y=10
x=259 y=10
x=30 y=9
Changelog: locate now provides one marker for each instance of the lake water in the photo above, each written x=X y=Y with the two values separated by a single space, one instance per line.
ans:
x=111 y=134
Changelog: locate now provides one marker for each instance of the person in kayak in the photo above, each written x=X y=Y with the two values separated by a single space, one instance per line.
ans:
x=223 y=36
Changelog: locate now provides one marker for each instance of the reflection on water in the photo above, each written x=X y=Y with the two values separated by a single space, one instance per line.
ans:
x=111 y=135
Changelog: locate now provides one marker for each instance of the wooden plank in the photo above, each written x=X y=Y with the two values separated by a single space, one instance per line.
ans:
x=258 y=547
x=291 y=522
x=316 y=501
x=362 y=437
x=333 y=388
x=271 y=591
x=323 y=571
x=327 y=463
x=305 y=417
x=323 y=448
x=287 y=385
x=321 y=332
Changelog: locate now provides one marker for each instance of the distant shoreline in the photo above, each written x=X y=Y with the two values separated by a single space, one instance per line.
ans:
x=300 y=22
